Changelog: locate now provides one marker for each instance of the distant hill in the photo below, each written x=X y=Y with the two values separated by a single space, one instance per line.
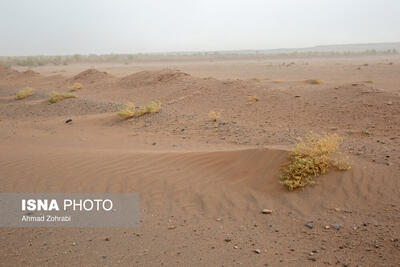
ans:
x=352 y=48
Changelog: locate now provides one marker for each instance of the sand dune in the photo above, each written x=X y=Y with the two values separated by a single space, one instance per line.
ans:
x=209 y=182
x=16 y=76
x=91 y=76
x=152 y=77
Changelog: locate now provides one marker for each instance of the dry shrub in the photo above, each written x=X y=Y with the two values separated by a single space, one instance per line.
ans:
x=311 y=157
x=141 y=111
x=24 y=93
x=314 y=81
x=129 y=111
x=76 y=87
x=366 y=132
x=213 y=115
x=251 y=99
x=153 y=107
x=57 y=97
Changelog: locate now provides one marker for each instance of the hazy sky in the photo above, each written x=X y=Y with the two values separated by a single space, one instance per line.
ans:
x=32 y=27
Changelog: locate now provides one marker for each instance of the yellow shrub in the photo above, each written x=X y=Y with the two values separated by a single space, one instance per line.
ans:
x=314 y=81
x=129 y=110
x=214 y=116
x=76 y=86
x=252 y=99
x=153 y=107
x=311 y=157
x=141 y=111
x=57 y=97
x=24 y=93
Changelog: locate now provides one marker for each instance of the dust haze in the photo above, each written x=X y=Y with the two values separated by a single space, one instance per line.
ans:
x=49 y=27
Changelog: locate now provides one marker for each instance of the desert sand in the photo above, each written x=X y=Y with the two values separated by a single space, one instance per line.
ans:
x=211 y=180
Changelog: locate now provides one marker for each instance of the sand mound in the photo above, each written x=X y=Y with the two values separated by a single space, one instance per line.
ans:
x=7 y=73
x=29 y=74
x=91 y=76
x=144 y=78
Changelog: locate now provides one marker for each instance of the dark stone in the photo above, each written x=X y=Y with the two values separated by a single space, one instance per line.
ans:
x=309 y=225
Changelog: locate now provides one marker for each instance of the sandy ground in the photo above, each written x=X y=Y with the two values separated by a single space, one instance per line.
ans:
x=209 y=179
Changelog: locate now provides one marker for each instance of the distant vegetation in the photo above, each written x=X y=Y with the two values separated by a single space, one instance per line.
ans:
x=213 y=115
x=314 y=81
x=24 y=93
x=366 y=132
x=57 y=97
x=34 y=61
x=311 y=157
x=75 y=87
x=251 y=99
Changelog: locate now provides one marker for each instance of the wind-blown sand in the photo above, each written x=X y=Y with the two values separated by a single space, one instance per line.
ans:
x=209 y=179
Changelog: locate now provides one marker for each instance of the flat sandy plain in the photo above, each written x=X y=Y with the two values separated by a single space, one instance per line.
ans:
x=209 y=179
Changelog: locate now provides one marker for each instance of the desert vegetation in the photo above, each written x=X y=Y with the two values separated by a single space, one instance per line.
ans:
x=76 y=87
x=57 y=97
x=366 y=132
x=314 y=81
x=24 y=93
x=251 y=99
x=33 y=61
x=312 y=156
x=129 y=111
x=213 y=115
